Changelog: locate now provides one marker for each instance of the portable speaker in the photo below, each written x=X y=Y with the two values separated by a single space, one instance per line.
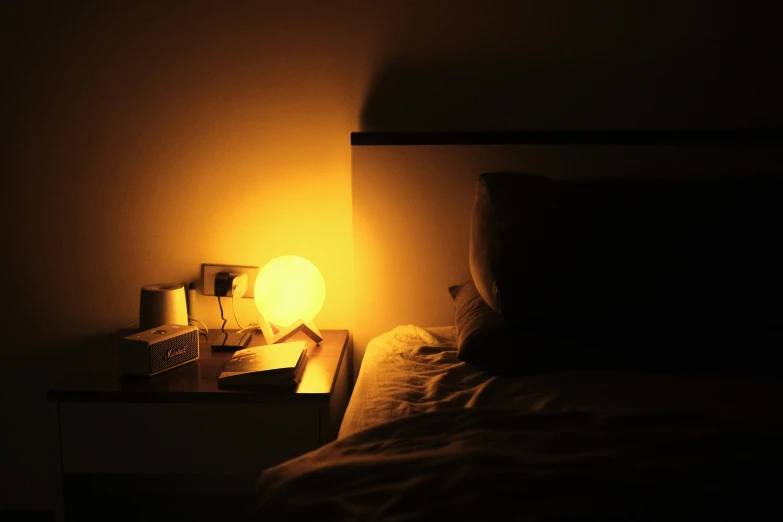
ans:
x=158 y=349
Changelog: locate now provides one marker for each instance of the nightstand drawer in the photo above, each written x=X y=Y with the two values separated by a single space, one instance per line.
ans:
x=184 y=437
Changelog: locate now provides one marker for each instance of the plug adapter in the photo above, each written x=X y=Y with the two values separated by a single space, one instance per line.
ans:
x=222 y=283
x=238 y=285
x=228 y=284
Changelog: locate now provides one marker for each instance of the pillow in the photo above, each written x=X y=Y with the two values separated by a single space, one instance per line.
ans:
x=597 y=256
x=485 y=340
x=652 y=275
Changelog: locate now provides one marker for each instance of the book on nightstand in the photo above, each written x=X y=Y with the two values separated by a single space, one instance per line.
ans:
x=268 y=365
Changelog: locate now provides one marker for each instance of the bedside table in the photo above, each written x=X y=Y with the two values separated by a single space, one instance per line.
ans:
x=150 y=444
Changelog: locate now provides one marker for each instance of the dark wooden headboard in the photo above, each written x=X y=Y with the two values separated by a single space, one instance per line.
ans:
x=413 y=193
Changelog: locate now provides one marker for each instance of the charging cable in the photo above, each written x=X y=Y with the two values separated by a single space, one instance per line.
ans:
x=205 y=333
x=222 y=326
x=234 y=285
x=234 y=309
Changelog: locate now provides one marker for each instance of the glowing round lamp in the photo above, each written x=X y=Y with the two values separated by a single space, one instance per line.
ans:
x=289 y=293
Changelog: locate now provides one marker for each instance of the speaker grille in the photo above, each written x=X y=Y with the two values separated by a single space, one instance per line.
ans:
x=174 y=351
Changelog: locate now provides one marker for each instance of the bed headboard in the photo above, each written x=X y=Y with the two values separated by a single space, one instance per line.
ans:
x=413 y=194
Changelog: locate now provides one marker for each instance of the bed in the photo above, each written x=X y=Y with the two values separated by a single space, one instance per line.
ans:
x=513 y=363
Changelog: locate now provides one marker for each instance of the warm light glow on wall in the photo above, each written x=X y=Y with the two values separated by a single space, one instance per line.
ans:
x=289 y=288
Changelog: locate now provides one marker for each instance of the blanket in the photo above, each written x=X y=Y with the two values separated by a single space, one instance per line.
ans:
x=506 y=464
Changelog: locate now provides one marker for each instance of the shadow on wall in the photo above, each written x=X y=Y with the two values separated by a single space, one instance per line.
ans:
x=455 y=95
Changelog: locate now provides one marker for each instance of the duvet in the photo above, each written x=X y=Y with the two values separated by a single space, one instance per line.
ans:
x=489 y=463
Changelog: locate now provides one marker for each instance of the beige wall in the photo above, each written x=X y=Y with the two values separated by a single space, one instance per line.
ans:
x=145 y=138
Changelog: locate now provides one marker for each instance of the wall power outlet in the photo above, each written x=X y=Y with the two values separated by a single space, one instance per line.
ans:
x=209 y=271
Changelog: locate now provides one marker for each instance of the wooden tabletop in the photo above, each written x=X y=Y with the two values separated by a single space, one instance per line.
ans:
x=98 y=379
